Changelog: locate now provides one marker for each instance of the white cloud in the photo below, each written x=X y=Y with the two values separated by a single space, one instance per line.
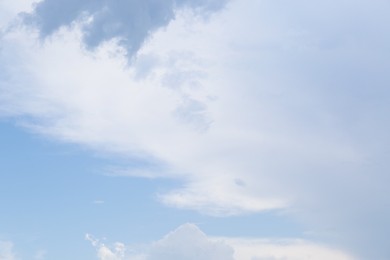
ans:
x=189 y=242
x=9 y=10
x=131 y=22
x=6 y=251
x=286 y=249
x=105 y=253
x=267 y=105
x=101 y=104
x=186 y=242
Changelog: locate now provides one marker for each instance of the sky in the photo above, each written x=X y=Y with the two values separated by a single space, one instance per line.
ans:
x=194 y=129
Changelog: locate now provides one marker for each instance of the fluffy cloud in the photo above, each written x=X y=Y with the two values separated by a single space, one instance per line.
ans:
x=186 y=242
x=269 y=104
x=105 y=253
x=189 y=242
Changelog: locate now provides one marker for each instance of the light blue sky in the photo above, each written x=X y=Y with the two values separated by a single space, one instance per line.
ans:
x=264 y=123
x=60 y=192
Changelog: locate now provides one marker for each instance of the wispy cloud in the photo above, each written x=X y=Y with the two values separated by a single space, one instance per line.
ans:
x=266 y=105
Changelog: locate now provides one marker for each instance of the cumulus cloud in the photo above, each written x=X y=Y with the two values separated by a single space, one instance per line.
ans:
x=186 y=242
x=265 y=106
x=189 y=242
x=129 y=22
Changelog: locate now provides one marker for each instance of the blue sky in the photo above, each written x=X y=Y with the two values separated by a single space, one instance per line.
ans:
x=194 y=129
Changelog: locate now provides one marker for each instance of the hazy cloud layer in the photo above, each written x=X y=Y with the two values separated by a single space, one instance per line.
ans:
x=189 y=242
x=6 y=251
x=270 y=104
x=129 y=22
x=286 y=249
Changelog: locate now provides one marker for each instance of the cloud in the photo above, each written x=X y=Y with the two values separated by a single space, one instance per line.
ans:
x=124 y=118
x=9 y=10
x=189 y=242
x=129 y=22
x=186 y=242
x=267 y=105
x=105 y=253
x=286 y=249
x=6 y=251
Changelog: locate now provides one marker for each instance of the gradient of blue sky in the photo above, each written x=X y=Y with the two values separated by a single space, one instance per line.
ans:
x=263 y=122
